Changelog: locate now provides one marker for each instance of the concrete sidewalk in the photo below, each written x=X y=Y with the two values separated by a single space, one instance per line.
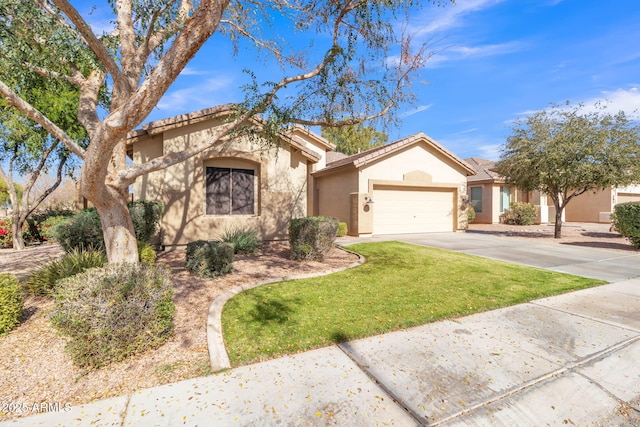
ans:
x=572 y=359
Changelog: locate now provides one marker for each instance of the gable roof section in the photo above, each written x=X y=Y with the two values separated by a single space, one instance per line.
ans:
x=484 y=170
x=295 y=138
x=377 y=153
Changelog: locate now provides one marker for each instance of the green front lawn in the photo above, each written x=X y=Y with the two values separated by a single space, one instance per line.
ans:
x=399 y=286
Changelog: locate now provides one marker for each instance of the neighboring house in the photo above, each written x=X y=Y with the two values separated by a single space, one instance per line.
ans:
x=413 y=185
x=597 y=206
x=237 y=183
x=490 y=196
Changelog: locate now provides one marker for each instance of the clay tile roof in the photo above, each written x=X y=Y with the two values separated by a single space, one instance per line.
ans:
x=361 y=159
x=484 y=170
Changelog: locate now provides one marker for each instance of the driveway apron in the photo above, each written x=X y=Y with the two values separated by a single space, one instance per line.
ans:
x=603 y=264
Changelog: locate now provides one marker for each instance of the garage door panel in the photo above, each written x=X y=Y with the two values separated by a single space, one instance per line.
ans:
x=412 y=211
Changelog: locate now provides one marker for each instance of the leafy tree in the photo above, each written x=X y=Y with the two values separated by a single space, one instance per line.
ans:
x=345 y=65
x=30 y=152
x=565 y=151
x=354 y=139
x=5 y=199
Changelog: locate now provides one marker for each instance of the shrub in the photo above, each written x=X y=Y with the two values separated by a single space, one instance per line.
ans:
x=6 y=240
x=10 y=303
x=146 y=253
x=146 y=216
x=521 y=213
x=42 y=224
x=244 y=240
x=43 y=280
x=626 y=219
x=209 y=258
x=6 y=236
x=312 y=237
x=112 y=312
x=471 y=214
x=342 y=229
x=84 y=230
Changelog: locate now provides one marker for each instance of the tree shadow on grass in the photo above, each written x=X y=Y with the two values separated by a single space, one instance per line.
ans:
x=339 y=337
x=270 y=310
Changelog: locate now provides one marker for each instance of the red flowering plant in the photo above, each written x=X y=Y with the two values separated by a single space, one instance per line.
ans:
x=5 y=233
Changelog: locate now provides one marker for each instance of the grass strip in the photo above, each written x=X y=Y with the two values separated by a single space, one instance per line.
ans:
x=400 y=286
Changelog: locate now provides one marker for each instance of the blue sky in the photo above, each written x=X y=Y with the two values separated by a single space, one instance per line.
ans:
x=494 y=61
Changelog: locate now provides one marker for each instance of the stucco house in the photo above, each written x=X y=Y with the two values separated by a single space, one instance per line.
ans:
x=411 y=185
x=597 y=206
x=239 y=182
x=490 y=196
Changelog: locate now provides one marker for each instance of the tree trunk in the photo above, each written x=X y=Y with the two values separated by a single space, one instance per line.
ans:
x=16 y=229
x=119 y=235
x=557 y=232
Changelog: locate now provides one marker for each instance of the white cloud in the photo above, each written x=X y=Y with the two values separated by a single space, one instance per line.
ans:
x=469 y=145
x=627 y=100
x=188 y=71
x=201 y=94
x=459 y=52
x=491 y=151
x=450 y=16
x=415 y=110
x=467 y=131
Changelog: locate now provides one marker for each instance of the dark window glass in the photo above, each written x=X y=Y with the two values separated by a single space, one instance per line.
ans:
x=229 y=191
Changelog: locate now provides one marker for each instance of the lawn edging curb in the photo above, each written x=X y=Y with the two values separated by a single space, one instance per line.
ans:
x=218 y=357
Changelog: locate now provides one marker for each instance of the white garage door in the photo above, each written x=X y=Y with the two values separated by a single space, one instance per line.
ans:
x=397 y=210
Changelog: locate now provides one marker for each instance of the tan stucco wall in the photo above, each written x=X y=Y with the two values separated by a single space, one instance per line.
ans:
x=343 y=193
x=590 y=207
x=332 y=193
x=415 y=158
x=281 y=182
x=487 y=215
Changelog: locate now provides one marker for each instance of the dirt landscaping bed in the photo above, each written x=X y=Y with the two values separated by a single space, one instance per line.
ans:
x=35 y=369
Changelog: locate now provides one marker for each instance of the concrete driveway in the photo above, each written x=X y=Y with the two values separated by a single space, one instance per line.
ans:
x=612 y=266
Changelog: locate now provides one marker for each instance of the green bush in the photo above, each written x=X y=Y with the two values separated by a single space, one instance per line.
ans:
x=10 y=303
x=312 y=237
x=146 y=253
x=626 y=219
x=43 y=280
x=42 y=224
x=84 y=230
x=342 y=229
x=244 y=240
x=521 y=213
x=146 y=216
x=209 y=258
x=112 y=312
x=471 y=214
